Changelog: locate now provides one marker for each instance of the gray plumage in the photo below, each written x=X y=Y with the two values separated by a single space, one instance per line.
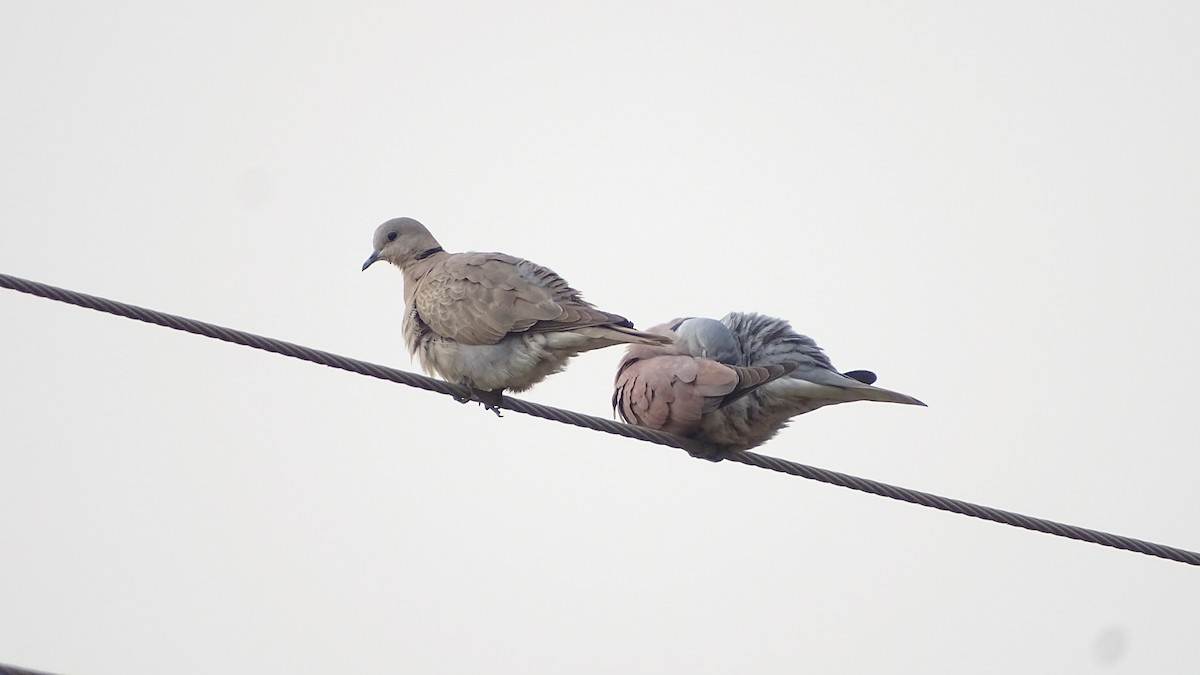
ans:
x=672 y=387
x=708 y=338
x=491 y=321
x=646 y=381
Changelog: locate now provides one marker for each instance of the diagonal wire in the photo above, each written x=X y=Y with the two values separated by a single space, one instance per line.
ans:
x=13 y=670
x=599 y=423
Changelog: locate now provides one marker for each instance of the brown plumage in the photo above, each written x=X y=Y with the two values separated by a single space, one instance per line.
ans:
x=491 y=321
x=480 y=298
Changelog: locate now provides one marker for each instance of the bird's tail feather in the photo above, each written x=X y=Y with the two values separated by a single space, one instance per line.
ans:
x=844 y=390
x=636 y=337
x=587 y=338
x=870 y=393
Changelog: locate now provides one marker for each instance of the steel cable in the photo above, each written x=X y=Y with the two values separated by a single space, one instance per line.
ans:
x=13 y=670
x=598 y=423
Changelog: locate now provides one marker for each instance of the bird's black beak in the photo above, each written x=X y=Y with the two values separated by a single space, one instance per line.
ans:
x=371 y=261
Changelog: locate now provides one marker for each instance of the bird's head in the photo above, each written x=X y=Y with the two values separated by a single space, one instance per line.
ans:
x=401 y=241
x=710 y=339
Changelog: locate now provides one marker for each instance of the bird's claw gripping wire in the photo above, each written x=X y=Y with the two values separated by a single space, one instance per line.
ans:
x=705 y=451
x=490 y=400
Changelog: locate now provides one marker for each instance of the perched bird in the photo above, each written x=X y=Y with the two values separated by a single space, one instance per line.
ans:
x=491 y=321
x=684 y=388
x=672 y=387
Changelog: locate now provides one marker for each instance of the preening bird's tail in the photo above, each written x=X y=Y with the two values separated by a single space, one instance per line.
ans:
x=821 y=384
x=869 y=393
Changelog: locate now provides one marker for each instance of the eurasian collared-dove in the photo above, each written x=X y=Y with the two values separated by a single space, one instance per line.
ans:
x=491 y=321
x=672 y=387
x=661 y=387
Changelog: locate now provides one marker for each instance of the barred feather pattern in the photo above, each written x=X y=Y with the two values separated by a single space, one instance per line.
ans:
x=812 y=382
x=766 y=339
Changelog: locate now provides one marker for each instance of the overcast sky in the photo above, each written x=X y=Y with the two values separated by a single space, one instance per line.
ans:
x=992 y=205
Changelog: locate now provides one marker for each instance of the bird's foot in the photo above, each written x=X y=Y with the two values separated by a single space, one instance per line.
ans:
x=706 y=451
x=489 y=399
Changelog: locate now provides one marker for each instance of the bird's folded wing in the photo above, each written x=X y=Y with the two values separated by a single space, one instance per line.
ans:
x=670 y=393
x=750 y=378
x=479 y=298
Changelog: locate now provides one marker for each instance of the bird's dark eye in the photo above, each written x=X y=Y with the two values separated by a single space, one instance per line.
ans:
x=392 y=236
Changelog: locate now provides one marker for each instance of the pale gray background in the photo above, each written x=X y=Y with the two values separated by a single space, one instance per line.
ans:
x=990 y=204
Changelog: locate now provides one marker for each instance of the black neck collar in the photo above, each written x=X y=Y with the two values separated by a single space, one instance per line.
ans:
x=428 y=252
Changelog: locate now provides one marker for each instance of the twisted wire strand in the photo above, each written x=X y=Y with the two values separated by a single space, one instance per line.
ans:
x=13 y=670
x=599 y=423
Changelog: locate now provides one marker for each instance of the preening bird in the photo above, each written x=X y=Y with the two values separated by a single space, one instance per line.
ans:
x=491 y=321
x=672 y=387
x=684 y=388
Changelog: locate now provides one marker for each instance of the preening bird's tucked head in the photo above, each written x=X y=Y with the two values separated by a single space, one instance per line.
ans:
x=401 y=241
x=710 y=339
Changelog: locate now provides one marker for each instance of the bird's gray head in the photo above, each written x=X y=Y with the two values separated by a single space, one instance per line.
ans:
x=401 y=241
x=710 y=339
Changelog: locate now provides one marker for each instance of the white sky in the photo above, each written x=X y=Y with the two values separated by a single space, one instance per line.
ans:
x=991 y=205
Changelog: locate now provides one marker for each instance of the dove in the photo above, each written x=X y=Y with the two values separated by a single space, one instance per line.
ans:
x=659 y=387
x=491 y=321
x=672 y=387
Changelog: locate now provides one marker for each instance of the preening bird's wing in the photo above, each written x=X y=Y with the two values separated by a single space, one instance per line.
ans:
x=670 y=392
